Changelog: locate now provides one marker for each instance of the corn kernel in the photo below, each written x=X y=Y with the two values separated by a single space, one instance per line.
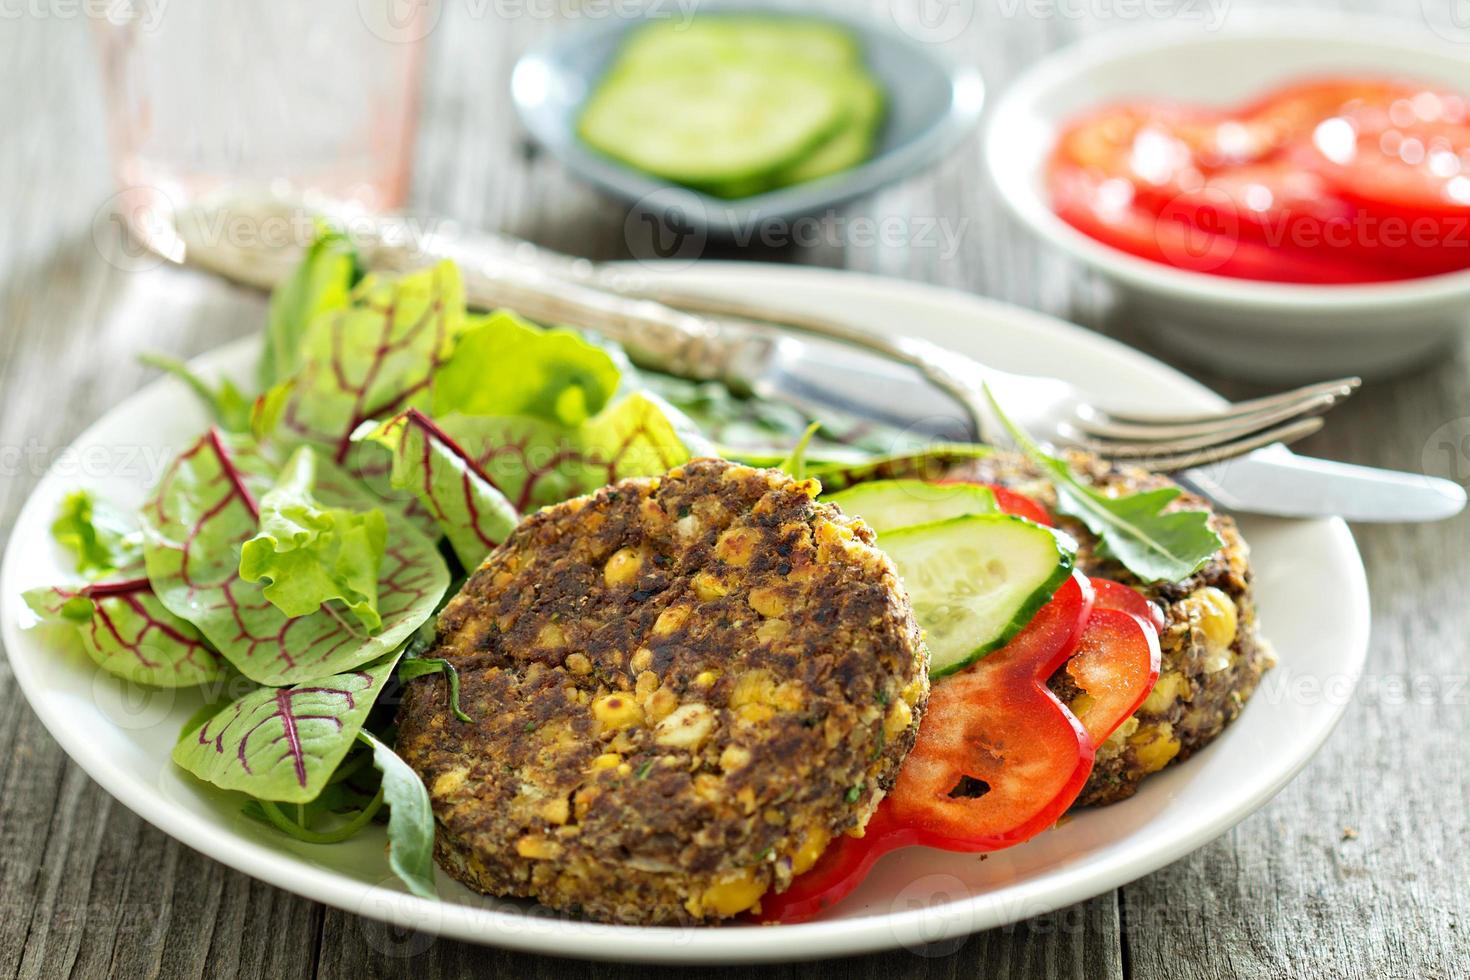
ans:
x=753 y=687
x=812 y=846
x=537 y=848
x=788 y=696
x=731 y=894
x=734 y=757
x=755 y=714
x=1170 y=686
x=686 y=727
x=832 y=533
x=709 y=587
x=706 y=678
x=646 y=684
x=708 y=786
x=769 y=602
x=551 y=635
x=556 y=811
x=641 y=660
x=736 y=546
x=1217 y=617
x=623 y=567
x=616 y=711
x=606 y=761
x=1154 y=748
x=897 y=720
x=670 y=620
x=578 y=664
x=660 y=704
x=449 y=781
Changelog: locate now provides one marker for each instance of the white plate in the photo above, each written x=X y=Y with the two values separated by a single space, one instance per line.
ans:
x=1258 y=329
x=1313 y=603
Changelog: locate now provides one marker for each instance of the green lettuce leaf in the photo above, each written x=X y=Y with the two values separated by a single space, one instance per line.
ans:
x=201 y=514
x=308 y=554
x=319 y=284
x=503 y=365
x=465 y=503
x=102 y=537
x=410 y=820
x=1138 y=529
x=126 y=631
x=283 y=744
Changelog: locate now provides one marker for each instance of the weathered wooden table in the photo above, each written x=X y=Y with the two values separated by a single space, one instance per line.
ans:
x=1358 y=869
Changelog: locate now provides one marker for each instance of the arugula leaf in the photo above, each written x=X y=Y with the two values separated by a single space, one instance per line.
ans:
x=309 y=554
x=283 y=744
x=840 y=470
x=103 y=537
x=201 y=514
x=370 y=359
x=1151 y=541
x=466 y=504
x=320 y=283
x=126 y=631
x=230 y=407
x=503 y=365
x=410 y=820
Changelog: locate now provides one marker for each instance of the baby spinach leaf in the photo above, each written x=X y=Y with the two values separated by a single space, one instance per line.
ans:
x=102 y=537
x=128 y=632
x=503 y=365
x=309 y=554
x=368 y=360
x=283 y=744
x=230 y=407
x=410 y=820
x=320 y=283
x=1153 y=542
x=201 y=514
x=466 y=504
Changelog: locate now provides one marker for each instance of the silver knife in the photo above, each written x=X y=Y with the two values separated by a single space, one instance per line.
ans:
x=1272 y=481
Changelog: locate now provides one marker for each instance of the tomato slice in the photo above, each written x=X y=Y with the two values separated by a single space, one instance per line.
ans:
x=1020 y=505
x=1194 y=239
x=998 y=759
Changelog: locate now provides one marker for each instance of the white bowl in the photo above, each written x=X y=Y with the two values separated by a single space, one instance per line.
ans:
x=1269 y=331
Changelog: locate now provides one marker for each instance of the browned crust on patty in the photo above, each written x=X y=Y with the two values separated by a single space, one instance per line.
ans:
x=1209 y=665
x=680 y=688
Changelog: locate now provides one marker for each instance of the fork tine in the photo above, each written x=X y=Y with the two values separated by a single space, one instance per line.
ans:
x=1338 y=389
x=1167 y=462
x=1215 y=430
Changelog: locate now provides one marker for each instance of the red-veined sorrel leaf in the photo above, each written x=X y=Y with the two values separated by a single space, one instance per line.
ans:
x=367 y=360
x=282 y=744
x=206 y=507
x=467 y=506
x=320 y=283
x=128 y=632
x=503 y=365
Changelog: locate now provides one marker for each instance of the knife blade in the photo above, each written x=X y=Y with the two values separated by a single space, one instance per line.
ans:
x=1272 y=481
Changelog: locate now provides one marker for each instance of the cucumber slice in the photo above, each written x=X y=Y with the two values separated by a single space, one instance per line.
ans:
x=695 y=126
x=976 y=581
x=719 y=38
x=850 y=145
x=887 y=505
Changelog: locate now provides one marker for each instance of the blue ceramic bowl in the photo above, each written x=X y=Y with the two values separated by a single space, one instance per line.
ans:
x=932 y=105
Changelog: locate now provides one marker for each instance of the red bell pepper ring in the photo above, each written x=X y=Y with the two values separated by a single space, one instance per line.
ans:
x=998 y=759
x=989 y=770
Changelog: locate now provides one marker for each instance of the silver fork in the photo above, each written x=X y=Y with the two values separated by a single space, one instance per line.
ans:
x=704 y=338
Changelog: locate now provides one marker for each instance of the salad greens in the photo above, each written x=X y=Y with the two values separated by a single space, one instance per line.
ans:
x=1153 y=542
x=302 y=545
x=308 y=554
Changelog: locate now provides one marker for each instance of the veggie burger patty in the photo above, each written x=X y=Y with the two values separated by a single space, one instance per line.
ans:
x=680 y=689
x=1212 y=656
